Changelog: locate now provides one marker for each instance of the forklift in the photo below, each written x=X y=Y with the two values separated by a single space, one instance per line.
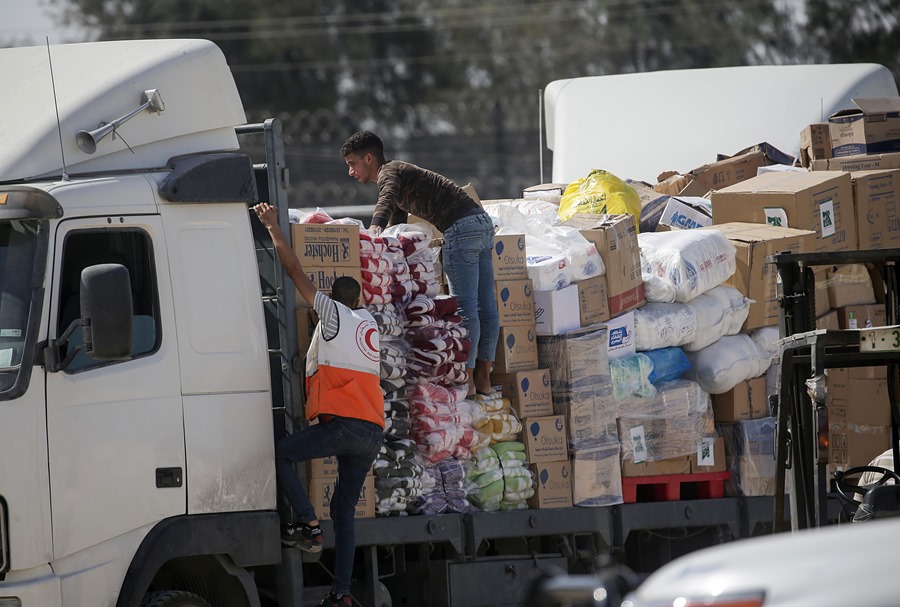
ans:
x=801 y=406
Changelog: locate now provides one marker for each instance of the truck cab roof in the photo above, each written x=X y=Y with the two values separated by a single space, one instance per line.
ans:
x=97 y=83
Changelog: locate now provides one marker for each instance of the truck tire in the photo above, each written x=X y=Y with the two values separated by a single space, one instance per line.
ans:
x=173 y=598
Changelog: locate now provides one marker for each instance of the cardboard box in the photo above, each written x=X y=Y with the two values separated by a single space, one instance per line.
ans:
x=850 y=446
x=754 y=277
x=552 y=485
x=615 y=237
x=828 y=321
x=515 y=302
x=862 y=162
x=673 y=465
x=576 y=360
x=866 y=403
x=747 y=400
x=815 y=143
x=323 y=277
x=509 y=257
x=321 y=491
x=597 y=477
x=557 y=312
x=593 y=303
x=528 y=392
x=321 y=245
x=326 y=467
x=849 y=285
x=686 y=213
x=716 y=175
x=545 y=439
x=877 y=216
x=710 y=456
x=590 y=415
x=621 y=340
x=821 y=202
x=873 y=127
x=516 y=349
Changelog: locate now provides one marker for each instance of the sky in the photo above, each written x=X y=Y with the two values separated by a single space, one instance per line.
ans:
x=21 y=19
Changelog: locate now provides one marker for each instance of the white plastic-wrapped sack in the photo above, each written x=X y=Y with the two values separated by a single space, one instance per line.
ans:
x=693 y=325
x=767 y=338
x=664 y=325
x=690 y=262
x=720 y=311
x=723 y=365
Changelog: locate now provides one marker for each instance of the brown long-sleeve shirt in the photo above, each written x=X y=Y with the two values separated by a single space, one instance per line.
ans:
x=405 y=188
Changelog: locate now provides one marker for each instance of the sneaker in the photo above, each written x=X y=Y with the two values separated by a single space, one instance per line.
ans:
x=302 y=536
x=333 y=599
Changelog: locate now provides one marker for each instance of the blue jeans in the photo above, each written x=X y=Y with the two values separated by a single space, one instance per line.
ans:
x=355 y=443
x=468 y=264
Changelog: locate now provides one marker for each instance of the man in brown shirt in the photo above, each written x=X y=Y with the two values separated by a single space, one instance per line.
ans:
x=404 y=188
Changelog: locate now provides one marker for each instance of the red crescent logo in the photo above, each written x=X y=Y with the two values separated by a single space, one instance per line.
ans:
x=366 y=335
x=368 y=339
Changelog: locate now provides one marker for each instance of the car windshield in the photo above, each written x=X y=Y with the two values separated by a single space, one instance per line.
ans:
x=18 y=246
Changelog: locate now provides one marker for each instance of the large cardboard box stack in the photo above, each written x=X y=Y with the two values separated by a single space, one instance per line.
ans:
x=877 y=216
x=529 y=392
x=714 y=176
x=862 y=162
x=755 y=278
x=659 y=434
x=553 y=485
x=517 y=343
x=615 y=237
x=582 y=396
x=821 y=202
x=322 y=477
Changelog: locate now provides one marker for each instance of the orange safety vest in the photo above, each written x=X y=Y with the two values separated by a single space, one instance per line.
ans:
x=342 y=373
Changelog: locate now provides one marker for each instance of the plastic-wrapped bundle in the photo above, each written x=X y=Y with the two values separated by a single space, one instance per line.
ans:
x=664 y=325
x=750 y=446
x=669 y=364
x=548 y=272
x=682 y=264
x=484 y=480
x=577 y=359
x=726 y=363
x=631 y=376
x=668 y=425
x=398 y=477
x=720 y=311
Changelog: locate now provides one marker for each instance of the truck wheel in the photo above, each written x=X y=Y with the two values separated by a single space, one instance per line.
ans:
x=173 y=598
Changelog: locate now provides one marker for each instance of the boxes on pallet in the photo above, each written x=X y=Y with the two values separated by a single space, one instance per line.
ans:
x=515 y=302
x=545 y=439
x=821 y=202
x=597 y=477
x=552 y=485
x=528 y=392
x=321 y=491
x=517 y=349
x=670 y=424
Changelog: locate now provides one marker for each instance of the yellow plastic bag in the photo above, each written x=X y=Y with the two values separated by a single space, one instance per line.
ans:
x=601 y=193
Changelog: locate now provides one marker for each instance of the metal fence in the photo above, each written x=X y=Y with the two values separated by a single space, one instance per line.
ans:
x=493 y=145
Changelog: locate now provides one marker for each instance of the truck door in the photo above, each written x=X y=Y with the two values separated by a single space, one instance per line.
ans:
x=115 y=429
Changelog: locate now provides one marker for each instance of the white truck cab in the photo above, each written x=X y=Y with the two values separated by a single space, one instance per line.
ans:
x=136 y=432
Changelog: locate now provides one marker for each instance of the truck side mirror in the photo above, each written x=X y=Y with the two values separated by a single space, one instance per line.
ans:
x=107 y=311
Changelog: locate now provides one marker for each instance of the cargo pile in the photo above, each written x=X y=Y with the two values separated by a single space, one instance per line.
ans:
x=634 y=348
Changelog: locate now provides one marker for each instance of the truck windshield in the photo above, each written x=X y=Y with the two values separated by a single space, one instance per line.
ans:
x=18 y=248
